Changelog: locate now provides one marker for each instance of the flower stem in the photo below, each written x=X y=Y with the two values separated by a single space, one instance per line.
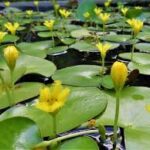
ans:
x=116 y=115
x=103 y=65
x=133 y=47
x=47 y=143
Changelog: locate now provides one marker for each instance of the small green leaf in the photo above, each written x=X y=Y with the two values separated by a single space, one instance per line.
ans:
x=18 y=134
x=79 y=143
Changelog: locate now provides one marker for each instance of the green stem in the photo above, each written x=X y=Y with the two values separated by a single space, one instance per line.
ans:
x=103 y=65
x=133 y=47
x=104 y=29
x=116 y=115
x=47 y=143
x=53 y=39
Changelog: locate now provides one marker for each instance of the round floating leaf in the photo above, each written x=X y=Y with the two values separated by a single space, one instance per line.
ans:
x=81 y=75
x=143 y=47
x=52 y=34
x=144 y=36
x=83 y=104
x=143 y=68
x=18 y=134
x=117 y=38
x=37 y=115
x=10 y=38
x=80 y=33
x=134 y=116
x=80 y=143
x=22 y=92
x=107 y=82
x=40 y=28
x=67 y=41
x=33 y=65
x=84 y=46
x=35 y=48
x=141 y=58
x=58 y=49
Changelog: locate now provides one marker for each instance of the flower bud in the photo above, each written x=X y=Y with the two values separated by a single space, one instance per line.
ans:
x=119 y=73
x=11 y=55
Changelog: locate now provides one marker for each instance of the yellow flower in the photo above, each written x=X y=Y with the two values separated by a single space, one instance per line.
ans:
x=12 y=27
x=2 y=35
x=29 y=12
x=86 y=15
x=124 y=10
x=36 y=3
x=49 y=24
x=104 y=17
x=136 y=25
x=53 y=98
x=11 y=55
x=147 y=107
x=64 y=13
x=7 y=3
x=107 y=3
x=119 y=73
x=103 y=48
x=97 y=11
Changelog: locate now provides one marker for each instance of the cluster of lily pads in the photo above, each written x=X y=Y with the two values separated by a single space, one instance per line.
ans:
x=69 y=78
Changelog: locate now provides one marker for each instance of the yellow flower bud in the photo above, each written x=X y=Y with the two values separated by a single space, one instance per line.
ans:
x=103 y=48
x=36 y=3
x=119 y=73
x=136 y=25
x=97 y=11
x=49 y=24
x=29 y=12
x=7 y=3
x=124 y=11
x=86 y=15
x=2 y=35
x=104 y=17
x=12 y=27
x=11 y=55
x=52 y=98
x=64 y=13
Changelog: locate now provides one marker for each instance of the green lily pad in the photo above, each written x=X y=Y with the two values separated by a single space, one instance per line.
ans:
x=52 y=34
x=79 y=143
x=20 y=134
x=33 y=65
x=143 y=68
x=81 y=75
x=10 y=38
x=117 y=38
x=84 y=46
x=144 y=36
x=40 y=28
x=58 y=49
x=80 y=33
x=67 y=41
x=34 y=114
x=143 y=47
x=83 y=104
x=141 y=58
x=134 y=117
x=35 y=48
x=22 y=92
